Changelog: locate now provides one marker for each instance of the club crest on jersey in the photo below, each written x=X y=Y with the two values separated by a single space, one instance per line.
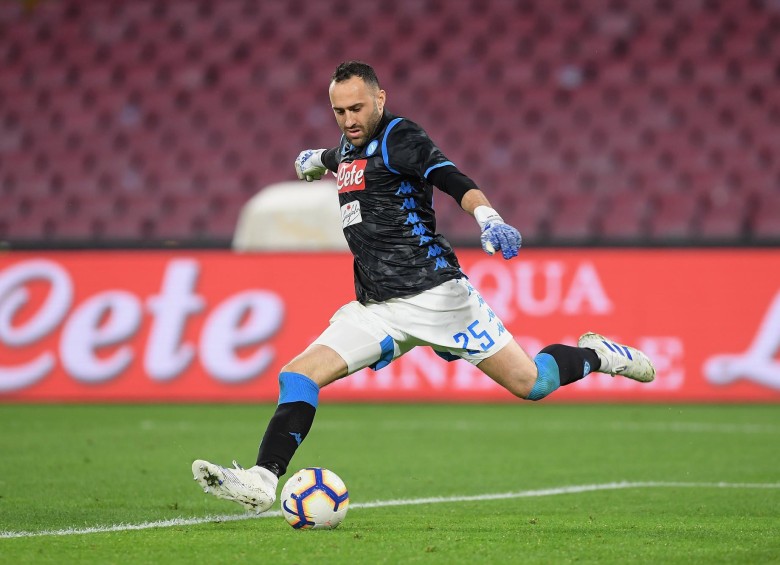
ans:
x=350 y=214
x=351 y=176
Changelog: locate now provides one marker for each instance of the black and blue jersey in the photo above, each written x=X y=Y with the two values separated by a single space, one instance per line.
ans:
x=387 y=213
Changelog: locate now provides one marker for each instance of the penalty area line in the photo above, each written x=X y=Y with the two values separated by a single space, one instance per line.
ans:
x=574 y=489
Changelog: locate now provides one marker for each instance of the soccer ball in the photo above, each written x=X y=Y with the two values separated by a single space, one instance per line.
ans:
x=314 y=498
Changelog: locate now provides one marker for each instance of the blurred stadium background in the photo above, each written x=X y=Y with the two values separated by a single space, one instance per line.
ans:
x=146 y=122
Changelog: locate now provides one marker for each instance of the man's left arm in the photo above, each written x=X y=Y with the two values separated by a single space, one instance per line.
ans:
x=495 y=233
x=413 y=153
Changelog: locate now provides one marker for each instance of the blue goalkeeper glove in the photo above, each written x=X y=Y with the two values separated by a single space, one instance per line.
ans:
x=496 y=234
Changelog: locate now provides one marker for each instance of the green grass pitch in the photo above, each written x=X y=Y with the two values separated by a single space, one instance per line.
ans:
x=581 y=484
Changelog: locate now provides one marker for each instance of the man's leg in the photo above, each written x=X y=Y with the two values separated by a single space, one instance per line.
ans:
x=618 y=359
x=559 y=365
x=299 y=384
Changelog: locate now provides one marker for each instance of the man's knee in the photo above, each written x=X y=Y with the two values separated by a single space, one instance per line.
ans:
x=319 y=363
x=512 y=368
x=547 y=379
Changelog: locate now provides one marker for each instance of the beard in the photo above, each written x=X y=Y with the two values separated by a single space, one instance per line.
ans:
x=369 y=130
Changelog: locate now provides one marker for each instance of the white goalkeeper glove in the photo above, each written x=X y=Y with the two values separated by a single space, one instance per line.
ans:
x=308 y=165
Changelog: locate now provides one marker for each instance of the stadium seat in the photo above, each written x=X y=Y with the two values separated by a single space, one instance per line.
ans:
x=674 y=217
x=109 y=97
x=624 y=217
x=576 y=217
x=725 y=217
x=765 y=223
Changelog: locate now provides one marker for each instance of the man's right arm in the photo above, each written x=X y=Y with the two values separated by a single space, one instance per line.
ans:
x=330 y=159
x=312 y=164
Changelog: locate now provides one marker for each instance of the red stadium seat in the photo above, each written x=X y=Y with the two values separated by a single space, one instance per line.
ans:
x=212 y=99
x=576 y=217
x=675 y=217
x=726 y=215
x=624 y=217
x=765 y=223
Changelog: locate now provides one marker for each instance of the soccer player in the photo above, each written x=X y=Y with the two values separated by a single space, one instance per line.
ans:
x=409 y=287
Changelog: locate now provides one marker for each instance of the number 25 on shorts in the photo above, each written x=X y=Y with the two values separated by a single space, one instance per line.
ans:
x=484 y=340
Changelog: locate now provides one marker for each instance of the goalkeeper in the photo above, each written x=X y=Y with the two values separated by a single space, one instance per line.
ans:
x=409 y=287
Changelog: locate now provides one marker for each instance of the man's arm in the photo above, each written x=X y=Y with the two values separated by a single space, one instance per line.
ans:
x=312 y=164
x=330 y=159
x=473 y=199
x=495 y=233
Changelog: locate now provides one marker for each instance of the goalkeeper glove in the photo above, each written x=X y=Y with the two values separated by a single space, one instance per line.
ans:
x=496 y=234
x=308 y=165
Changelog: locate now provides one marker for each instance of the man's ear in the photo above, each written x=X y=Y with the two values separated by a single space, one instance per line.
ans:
x=380 y=100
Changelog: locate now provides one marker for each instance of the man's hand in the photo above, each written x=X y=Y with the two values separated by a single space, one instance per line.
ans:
x=496 y=234
x=308 y=165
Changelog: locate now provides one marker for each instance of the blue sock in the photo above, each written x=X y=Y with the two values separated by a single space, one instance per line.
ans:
x=295 y=387
x=548 y=379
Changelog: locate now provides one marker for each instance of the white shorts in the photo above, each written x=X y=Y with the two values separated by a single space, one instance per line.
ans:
x=451 y=318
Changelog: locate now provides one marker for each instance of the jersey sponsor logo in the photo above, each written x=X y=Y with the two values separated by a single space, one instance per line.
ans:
x=350 y=214
x=352 y=176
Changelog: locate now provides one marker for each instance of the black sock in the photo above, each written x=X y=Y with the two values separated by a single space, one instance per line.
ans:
x=573 y=362
x=286 y=430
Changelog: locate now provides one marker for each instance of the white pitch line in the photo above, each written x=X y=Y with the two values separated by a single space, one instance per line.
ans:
x=469 y=426
x=574 y=489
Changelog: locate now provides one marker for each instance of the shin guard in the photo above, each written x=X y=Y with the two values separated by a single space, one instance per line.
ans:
x=298 y=396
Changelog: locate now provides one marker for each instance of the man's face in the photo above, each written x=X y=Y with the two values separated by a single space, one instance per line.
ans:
x=358 y=109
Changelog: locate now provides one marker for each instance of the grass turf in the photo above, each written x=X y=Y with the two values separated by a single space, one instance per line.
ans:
x=75 y=467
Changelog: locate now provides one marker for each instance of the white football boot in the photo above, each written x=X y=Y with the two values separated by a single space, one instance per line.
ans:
x=253 y=488
x=618 y=359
